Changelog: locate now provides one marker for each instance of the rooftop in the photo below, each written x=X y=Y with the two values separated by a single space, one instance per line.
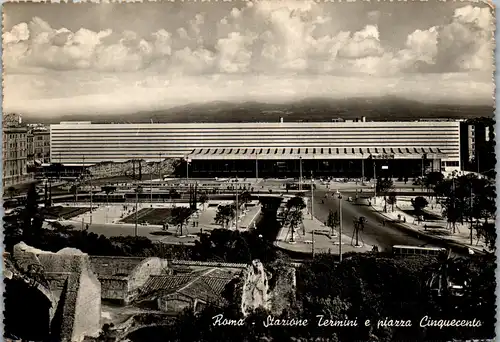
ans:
x=207 y=285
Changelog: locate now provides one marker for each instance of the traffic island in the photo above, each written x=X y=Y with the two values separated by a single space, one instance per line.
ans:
x=430 y=225
x=314 y=235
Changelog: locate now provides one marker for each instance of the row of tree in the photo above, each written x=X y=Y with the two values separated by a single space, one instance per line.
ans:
x=467 y=199
x=227 y=213
x=364 y=287
x=26 y=224
x=464 y=199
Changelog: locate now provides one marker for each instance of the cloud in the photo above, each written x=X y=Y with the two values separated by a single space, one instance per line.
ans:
x=80 y=92
x=466 y=43
x=265 y=37
x=268 y=50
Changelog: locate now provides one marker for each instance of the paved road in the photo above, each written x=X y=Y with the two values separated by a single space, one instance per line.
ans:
x=375 y=233
x=111 y=230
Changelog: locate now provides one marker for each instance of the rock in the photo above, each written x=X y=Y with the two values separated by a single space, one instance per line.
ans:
x=272 y=289
x=255 y=291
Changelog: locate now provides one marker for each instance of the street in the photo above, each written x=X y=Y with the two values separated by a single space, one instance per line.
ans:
x=374 y=233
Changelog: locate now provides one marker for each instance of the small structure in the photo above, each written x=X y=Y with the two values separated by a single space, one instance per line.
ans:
x=67 y=282
x=122 y=277
x=173 y=293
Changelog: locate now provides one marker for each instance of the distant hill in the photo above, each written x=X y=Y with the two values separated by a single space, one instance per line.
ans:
x=374 y=109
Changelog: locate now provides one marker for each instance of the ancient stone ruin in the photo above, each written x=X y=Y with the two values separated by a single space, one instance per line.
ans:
x=271 y=289
x=65 y=282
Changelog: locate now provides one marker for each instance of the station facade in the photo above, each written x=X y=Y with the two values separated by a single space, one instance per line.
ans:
x=344 y=149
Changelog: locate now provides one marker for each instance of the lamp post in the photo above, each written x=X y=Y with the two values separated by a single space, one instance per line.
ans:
x=256 y=167
x=300 y=175
x=91 y=204
x=237 y=211
x=470 y=214
x=312 y=197
x=339 y=196
x=363 y=171
x=137 y=190
x=375 y=180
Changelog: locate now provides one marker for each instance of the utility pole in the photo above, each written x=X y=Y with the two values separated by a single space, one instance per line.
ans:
x=313 y=243
x=236 y=223
x=423 y=166
x=300 y=175
x=136 y=203
x=312 y=197
x=256 y=166
x=340 y=225
x=362 y=171
x=187 y=170
x=375 y=180
x=159 y=168
x=470 y=213
x=151 y=188
x=91 y=205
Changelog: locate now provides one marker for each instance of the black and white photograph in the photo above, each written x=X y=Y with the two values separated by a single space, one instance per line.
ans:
x=254 y=171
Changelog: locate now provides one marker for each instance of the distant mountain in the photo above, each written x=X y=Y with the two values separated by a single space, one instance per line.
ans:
x=314 y=109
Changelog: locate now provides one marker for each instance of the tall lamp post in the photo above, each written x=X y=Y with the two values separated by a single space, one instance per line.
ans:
x=312 y=197
x=237 y=211
x=256 y=166
x=375 y=180
x=91 y=204
x=137 y=190
x=300 y=175
x=339 y=196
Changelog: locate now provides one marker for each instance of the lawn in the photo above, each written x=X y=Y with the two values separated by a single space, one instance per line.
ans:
x=426 y=215
x=156 y=216
x=64 y=212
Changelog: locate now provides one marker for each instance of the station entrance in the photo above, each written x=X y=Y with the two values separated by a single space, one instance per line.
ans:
x=395 y=168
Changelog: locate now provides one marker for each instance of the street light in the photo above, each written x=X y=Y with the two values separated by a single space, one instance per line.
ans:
x=300 y=176
x=138 y=189
x=312 y=196
x=339 y=196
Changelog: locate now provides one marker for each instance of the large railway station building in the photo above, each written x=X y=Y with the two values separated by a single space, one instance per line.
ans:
x=264 y=149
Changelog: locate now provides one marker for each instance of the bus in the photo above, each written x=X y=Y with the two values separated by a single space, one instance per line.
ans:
x=405 y=250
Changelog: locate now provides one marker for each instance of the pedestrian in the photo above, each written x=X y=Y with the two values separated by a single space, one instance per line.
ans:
x=383 y=222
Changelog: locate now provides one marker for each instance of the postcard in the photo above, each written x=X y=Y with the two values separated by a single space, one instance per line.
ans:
x=249 y=171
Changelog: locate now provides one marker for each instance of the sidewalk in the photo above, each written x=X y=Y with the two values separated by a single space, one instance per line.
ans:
x=206 y=219
x=436 y=228
x=323 y=241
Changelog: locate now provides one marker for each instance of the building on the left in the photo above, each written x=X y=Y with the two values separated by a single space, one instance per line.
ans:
x=15 y=151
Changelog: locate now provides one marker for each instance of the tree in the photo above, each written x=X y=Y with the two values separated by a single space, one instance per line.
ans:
x=419 y=203
x=294 y=213
x=33 y=219
x=392 y=200
x=488 y=231
x=108 y=189
x=361 y=222
x=432 y=179
x=180 y=216
x=203 y=199
x=11 y=192
x=24 y=224
x=383 y=186
x=74 y=191
x=225 y=214
x=333 y=220
x=244 y=198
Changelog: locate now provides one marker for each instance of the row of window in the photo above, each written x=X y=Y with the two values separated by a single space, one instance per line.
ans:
x=450 y=163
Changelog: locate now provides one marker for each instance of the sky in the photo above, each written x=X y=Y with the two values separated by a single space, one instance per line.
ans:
x=121 y=58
